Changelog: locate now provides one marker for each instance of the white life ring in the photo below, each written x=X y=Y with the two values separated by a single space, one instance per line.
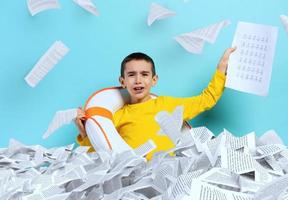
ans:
x=100 y=108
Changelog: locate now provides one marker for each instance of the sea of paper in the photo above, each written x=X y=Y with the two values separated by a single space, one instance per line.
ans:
x=202 y=166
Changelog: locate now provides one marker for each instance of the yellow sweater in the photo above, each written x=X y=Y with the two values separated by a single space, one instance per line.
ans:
x=136 y=122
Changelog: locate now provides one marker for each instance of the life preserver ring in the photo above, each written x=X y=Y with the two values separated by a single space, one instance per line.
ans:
x=99 y=109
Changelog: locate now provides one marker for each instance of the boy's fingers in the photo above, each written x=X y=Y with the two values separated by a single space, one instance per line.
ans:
x=228 y=52
x=231 y=50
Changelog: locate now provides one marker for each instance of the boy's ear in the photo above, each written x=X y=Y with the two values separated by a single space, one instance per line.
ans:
x=154 y=80
x=121 y=81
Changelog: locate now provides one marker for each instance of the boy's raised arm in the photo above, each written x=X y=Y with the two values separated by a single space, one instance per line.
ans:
x=212 y=93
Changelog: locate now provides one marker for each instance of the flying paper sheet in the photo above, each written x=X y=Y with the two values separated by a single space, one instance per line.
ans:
x=158 y=12
x=52 y=56
x=36 y=6
x=284 y=20
x=250 y=66
x=61 y=118
x=87 y=5
x=194 y=41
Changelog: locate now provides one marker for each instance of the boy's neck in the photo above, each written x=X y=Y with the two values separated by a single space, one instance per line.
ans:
x=135 y=101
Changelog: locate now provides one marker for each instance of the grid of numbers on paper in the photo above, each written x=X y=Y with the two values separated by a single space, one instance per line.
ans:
x=251 y=63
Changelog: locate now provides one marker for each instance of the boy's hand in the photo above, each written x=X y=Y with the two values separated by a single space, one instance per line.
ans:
x=223 y=63
x=79 y=121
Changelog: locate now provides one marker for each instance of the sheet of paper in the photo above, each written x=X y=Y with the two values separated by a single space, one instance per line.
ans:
x=213 y=147
x=47 y=62
x=194 y=41
x=37 y=6
x=248 y=184
x=60 y=118
x=204 y=191
x=201 y=135
x=250 y=66
x=221 y=177
x=248 y=140
x=88 y=5
x=269 y=137
x=171 y=124
x=268 y=150
x=145 y=148
x=237 y=162
x=284 y=20
x=273 y=189
x=158 y=12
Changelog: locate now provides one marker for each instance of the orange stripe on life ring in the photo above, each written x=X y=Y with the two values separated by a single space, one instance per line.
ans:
x=99 y=111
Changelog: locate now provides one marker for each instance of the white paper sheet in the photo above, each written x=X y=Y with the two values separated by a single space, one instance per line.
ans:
x=88 y=5
x=237 y=162
x=284 y=20
x=171 y=124
x=37 y=6
x=250 y=66
x=269 y=137
x=201 y=135
x=272 y=190
x=158 y=12
x=61 y=118
x=47 y=62
x=194 y=41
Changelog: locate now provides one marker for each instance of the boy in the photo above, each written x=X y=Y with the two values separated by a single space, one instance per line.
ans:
x=135 y=121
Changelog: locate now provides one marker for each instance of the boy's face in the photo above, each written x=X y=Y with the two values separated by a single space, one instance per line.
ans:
x=138 y=80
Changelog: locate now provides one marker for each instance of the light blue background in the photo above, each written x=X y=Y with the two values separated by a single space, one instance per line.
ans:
x=98 y=45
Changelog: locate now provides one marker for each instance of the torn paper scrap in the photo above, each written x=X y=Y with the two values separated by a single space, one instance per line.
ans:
x=194 y=41
x=284 y=20
x=47 y=62
x=61 y=118
x=37 y=6
x=158 y=12
x=250 y=66
x=88 y=5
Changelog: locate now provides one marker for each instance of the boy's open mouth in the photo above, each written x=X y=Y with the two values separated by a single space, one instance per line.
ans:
x=138 y=89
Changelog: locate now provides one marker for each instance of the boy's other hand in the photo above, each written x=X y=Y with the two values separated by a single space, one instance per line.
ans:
x=223 y=63
x=79 y=121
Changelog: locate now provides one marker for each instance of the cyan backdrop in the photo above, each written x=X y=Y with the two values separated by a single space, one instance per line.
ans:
x=98 y=44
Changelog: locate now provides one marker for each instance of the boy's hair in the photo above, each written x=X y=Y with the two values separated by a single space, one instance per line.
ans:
x=137 y=56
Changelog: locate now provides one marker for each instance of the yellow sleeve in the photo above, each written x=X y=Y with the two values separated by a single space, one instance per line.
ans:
x=84 y=142
x=206 y=100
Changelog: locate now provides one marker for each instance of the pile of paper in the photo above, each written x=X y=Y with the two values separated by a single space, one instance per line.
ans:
x=203 y=167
